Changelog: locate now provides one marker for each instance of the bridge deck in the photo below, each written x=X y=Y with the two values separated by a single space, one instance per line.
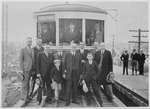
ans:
x=138 y=83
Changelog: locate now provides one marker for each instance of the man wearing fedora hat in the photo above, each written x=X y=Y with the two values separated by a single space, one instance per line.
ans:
x=72 y=73
x=104 y=59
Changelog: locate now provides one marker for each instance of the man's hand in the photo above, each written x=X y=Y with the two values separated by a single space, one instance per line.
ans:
x=83 y=82
x=72 y=41
x=38 y=75
x=64 y=76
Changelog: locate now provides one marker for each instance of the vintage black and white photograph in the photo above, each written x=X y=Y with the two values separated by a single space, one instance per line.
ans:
x=74 y=54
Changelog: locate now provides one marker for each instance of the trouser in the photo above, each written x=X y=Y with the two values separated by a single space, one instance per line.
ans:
x=46 y=80
x=63 y=87
x=125 y=66
x=96 y=91
x=32 y=84
x=141 y=68
x=134 y=67
x=108 y=90
x=71 y=86
x=25 y=85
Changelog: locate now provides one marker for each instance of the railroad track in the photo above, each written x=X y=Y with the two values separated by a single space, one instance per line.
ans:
x=107 y=103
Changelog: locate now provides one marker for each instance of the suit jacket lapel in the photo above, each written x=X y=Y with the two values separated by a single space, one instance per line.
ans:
x=28 y=52
x=88 y=64
x=76 y=56
x=70 y=54
x=45 y=57
x=92 y=64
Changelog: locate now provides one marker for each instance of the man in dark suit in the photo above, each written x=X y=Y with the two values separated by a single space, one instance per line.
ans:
x=26 y=59
x=37 y=49
x=83 y=52
x=141 y=60
x=44 y=66
x=47 y=34
x=71 y=35
x=95 y=47
x=134 y=57
x=90 y=75
x=124 y=57
x=104 y=59
x=61 y=56
x=72 y=73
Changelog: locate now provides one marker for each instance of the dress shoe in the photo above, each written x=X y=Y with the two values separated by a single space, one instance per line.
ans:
x=26 y=100
x=50 y=101
x=67 y=103
x=101 y=105
x=56 y=103
x=62 y=99
x=75 y=102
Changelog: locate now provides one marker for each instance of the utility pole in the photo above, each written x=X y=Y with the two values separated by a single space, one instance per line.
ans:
x=139 y=38
x=113 y=45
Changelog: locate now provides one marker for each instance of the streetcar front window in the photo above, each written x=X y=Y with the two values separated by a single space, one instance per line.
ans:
x=94 y=31
x=47 y=31
x=70 y=30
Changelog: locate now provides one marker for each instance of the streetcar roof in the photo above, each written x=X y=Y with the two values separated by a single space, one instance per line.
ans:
x=71 y=7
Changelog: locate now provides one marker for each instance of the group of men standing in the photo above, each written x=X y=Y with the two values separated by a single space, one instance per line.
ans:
x=91 y=69
x=137 y=60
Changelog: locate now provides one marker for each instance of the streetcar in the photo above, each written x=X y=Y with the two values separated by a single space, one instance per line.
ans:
x=53 y=24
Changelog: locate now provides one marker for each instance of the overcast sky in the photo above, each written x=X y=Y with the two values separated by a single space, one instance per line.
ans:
x=131 y=15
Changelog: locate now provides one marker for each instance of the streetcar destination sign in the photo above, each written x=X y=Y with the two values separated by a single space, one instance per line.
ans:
x=46 y=18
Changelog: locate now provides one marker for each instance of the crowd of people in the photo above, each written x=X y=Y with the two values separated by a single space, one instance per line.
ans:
x=137 y=61
x=65 y=75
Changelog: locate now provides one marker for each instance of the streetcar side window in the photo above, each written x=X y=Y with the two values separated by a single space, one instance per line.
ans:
x=47 y=31
x=94 y=31
x=70 y=30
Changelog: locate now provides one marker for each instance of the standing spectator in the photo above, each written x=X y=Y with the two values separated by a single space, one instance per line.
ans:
x=124 y=57
x=61 y=56
x=44 y=66
x=83 y=52
x=141 y=61
x=105 y=65
x=134 y=57
x=72 y=73
x=37 y=49
x=95 y=47
x=90 y=75
x=56 y=80
x=26 y=59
